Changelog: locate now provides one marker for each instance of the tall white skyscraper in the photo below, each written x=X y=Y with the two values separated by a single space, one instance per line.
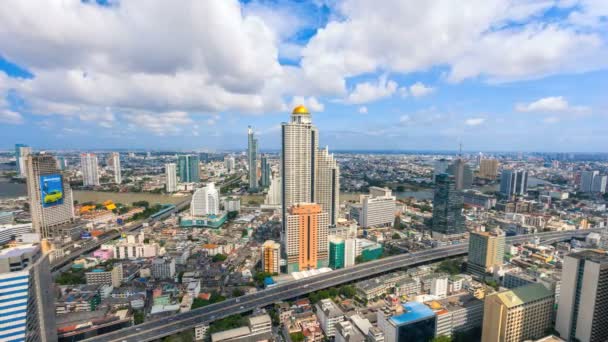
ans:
x=21 y=153
x=50 y=196
x=116 y=167
x=171 y=175
x=229 y=164
x=205 y=201
x=274 y=191
x=304 y=169
x=90 y=174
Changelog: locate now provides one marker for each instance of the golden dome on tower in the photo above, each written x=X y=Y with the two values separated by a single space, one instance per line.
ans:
x=300 y=110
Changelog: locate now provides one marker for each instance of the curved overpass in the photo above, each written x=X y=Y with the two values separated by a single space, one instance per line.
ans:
x=171 y=325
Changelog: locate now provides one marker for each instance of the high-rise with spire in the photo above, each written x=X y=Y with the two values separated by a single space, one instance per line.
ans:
x=310 y=179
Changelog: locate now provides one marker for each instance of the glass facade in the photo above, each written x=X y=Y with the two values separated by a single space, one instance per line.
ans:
x=447 y=207
x=188 y=168
x=422 y=330
x=336 y=254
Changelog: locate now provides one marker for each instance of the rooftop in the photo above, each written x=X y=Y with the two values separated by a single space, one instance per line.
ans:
x=413 y=311
x=591 y=255
x=17 y=250
x=524 y=294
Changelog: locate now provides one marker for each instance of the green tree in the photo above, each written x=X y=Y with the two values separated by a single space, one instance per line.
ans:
x=244 y=232
x=219 y=257
x=442 y=338
x=348 y=291
x=237 y=292
x=296 y=337
x=232 y=214
x=452 y=266
x=138 y=317
x=396 y=236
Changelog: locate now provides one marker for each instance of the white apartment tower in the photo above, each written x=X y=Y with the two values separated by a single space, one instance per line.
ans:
x=171 y=176
x=328 y=185
x=48 y=212
x=205 y=201
x=116 y=167
x=90 y=174
x=274 y=191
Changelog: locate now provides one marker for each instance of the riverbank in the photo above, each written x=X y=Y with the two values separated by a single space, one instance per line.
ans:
x=124 y=197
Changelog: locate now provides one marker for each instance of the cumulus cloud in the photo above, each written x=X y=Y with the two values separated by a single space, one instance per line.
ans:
x=419 y=89
x=169 y=123
x=474 y=121
x=552 y=104
x=362 y=110
x=310 y=102
x=372 y=91
x=10 y=117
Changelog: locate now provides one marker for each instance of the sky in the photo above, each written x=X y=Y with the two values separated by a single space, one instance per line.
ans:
x=494 y=75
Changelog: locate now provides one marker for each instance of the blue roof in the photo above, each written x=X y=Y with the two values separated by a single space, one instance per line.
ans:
x=413 y=311
x=268 y=281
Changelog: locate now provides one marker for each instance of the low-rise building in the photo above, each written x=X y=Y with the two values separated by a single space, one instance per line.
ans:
x=329 y=314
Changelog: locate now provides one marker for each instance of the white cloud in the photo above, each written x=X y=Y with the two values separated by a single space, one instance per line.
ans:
x=310 y=102
x=419 y=89
x=552 y=104
x=10 y=117
x=404 y=119
x=104 y=119
x=551 y=120
x=368 y=92
x=363 y=110
x=169 y=123
x=474 y=121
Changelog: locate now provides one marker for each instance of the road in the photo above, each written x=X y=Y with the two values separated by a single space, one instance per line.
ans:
x=174 y=324
x=59 y=265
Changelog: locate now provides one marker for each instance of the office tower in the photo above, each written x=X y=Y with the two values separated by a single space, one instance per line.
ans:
x=21 y=153
x=488 y=168
x=306 y=248
x=115 y=161
x=274 y=191
x=514 y=183
x=336 y=253
x=587 y=178
x=188 y=168
x=266 y=171
x=205 y=201
x=252 y=159
x=486 y=250
x=376 y=209
x=51 y=204
x=328 y=185
x=441 y=166
x=519 y=314
x=90 y=174
x=412 y=321
x=271 y=258
x=582 y=312
x=447 y=207
x=599 y=184
x=171 y=177
x=463 y=176
x=27 y=307
x=229 y=164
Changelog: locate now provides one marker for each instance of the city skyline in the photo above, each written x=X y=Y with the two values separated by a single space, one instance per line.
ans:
x=399 y=91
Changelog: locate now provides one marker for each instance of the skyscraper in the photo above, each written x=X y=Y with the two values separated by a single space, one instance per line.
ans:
x=21 y=153
x=50 y=196
x=520 y=314
x=463 y=176
x=205 y=201
x=300 y=180
x=514 y=183
x=274 y=191
x=27 y=306
x=486 y=250
x=171 y=176
x=592 y=181
x=336 y=253
x=266 y=171
x=90 y=173
x=252 y=159
x=271 y=257
x=229 y=164
x=441 y=166
x=328 y=184
x=582 y=313
x=488 y=168
x=307 y=247
x=188 y=168
x=447 y=207
x=115 y=158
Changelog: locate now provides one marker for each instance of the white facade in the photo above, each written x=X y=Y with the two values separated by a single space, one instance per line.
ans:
x=232 y=204
x=116 y=167
x=329 y=315
x=350 y=252
x=274 y=191
x=439 y=287
x=22 y=153
x=205 y=201
x=327 y=188
x=171 y=177
x=229 y=164
x=377 y=208
x=89 y=166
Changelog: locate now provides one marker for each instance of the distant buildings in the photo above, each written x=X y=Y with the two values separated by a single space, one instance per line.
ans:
x=271 y=257
x=171 y=177
x=229 y=164
x=582 y=313
x=592 y=181
x=259 y=328
x=266 y=171
x=188 y=168
x=376 y=209
x=447 y=207
x=163 y=268
x=309 y=223
x=463 y=175
x=441 y=166
x=327 y=188
x=205 y=201
x=89 y=166
x=274 y=191
x=115 y=161
x=21 y=153
x=105 y=276
x=252 y=159
x=513 y=183
x=475 y=198
x=51 y=204
x=27 y=306
x=486 y=250
x=488 y=169
x=412 y=321
x=520 y=314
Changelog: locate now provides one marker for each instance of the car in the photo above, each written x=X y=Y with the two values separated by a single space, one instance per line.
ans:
x=53 y=196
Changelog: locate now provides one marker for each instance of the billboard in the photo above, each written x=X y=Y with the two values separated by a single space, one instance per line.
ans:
x=51 y=190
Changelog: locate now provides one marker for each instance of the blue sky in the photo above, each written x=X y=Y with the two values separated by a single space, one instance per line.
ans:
x=496 y=75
